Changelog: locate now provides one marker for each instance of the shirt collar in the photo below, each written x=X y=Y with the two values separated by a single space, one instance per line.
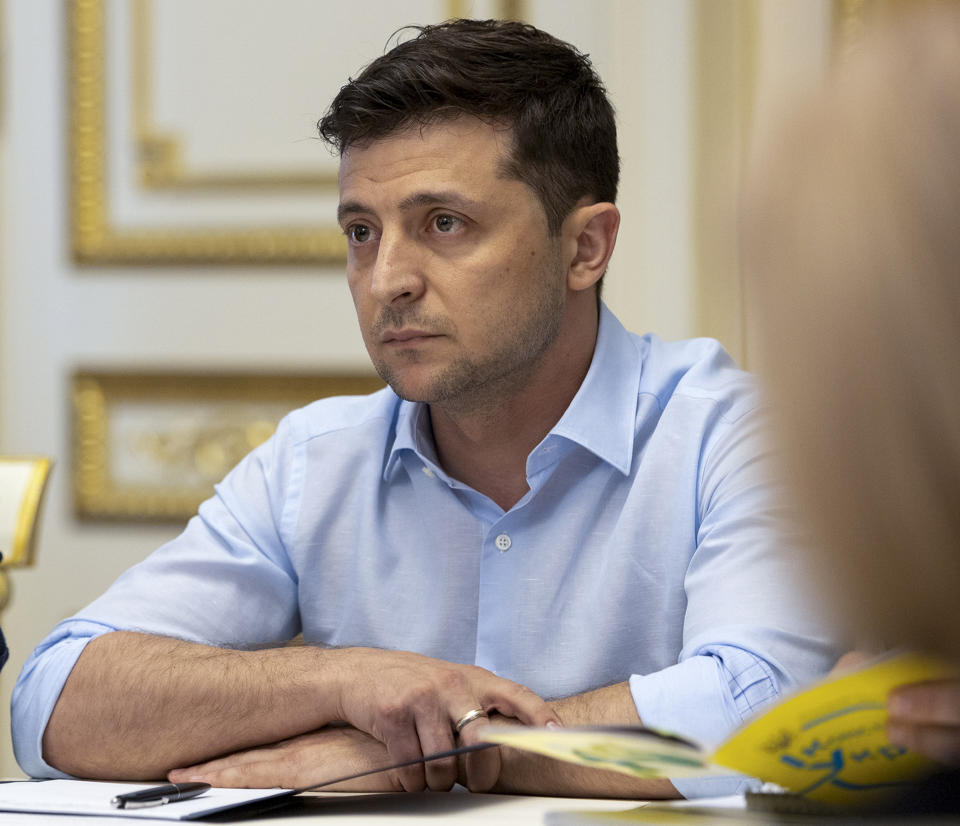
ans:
x=601 y=418
x=414 y=434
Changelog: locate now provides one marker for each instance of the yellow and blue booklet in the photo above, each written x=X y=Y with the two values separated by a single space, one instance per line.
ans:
x=826 y=743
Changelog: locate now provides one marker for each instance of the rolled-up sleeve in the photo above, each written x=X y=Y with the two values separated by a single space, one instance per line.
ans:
x=231 y=554
x=39 y=687
x=751 y=627
x=704 y=698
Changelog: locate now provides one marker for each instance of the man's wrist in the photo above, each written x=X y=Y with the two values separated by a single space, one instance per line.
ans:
x=333 y=673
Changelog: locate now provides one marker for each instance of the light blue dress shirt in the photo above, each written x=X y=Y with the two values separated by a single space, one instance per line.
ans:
x=647 y=549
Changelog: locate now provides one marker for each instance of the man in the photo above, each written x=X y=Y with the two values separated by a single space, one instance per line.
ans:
x=539 y=497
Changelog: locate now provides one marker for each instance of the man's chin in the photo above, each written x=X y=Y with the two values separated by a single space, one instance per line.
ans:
x=409 y=395
x=407 y=388
x=447 y=386
x=425 y=391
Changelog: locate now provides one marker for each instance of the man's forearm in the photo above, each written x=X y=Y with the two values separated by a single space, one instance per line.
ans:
x=523 y=772
x=136 y=706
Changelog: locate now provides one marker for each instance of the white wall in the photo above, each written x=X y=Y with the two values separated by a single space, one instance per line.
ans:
x=55 y=317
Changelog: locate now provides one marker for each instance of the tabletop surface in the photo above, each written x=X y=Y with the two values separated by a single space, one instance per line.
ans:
x=333 y=809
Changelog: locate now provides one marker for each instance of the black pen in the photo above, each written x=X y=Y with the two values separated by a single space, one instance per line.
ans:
x=158 y=795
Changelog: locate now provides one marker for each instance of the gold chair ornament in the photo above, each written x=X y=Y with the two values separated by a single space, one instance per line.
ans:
x=23 y=480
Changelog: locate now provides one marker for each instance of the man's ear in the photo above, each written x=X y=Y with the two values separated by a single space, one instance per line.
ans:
x=590 y=234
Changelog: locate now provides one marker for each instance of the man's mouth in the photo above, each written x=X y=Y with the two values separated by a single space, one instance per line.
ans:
x=405 y=336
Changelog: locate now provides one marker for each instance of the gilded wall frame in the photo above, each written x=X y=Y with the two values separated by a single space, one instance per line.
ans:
x=95 y=239
x=149 y=446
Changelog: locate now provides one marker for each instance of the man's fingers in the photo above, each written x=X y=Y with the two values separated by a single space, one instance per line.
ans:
x=246 y=775
x=399 y=734
x=305 y=760
x=925 y=718
x=436 y=735
x=269 y=774
x=254 y=769
x=191 y=773
x=482 y=769
x=412 y=703
x=468 y=731
x=935 y=703
x=515 y=700
x=940 y=743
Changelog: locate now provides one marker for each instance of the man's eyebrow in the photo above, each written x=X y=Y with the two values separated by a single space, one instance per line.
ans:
x=350 y=208
x=418 y=199
x=449 y=198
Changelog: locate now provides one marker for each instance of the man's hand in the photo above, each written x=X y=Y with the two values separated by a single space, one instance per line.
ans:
x=922 y=717
x=411 y=703
x=333 y=752
x=925 y=717
x=301 y=761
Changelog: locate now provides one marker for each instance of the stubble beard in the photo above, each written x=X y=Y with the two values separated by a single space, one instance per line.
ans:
x=468 y=384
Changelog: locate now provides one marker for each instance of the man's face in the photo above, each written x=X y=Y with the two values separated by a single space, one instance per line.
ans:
x=458 y=286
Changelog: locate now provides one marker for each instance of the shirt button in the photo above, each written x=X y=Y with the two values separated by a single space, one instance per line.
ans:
x=503 y=543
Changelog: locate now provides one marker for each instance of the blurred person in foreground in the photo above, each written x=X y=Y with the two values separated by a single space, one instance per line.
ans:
x=852 y=242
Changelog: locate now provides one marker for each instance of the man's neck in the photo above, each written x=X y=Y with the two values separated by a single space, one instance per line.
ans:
x=486 y=445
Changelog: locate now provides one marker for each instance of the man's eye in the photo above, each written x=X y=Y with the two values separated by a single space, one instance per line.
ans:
x=359 y=233
x=446 y=223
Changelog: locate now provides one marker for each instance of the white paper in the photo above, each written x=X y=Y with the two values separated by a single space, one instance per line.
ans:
x=90 y=797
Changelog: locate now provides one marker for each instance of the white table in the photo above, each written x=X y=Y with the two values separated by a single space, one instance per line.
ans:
x=410 y=810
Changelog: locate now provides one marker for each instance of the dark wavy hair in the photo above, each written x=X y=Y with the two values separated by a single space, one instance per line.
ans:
x=503 y=72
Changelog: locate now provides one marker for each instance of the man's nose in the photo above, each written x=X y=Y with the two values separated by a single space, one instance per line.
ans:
x=397 y=272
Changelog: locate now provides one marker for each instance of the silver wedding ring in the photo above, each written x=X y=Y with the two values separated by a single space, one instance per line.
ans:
x=469 y=717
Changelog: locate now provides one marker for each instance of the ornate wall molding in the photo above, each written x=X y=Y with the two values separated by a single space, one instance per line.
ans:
x=150 y=446
x=96 y=240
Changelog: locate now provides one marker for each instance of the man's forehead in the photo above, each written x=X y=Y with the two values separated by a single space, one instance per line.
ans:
x=463 y=138
x=437 y=161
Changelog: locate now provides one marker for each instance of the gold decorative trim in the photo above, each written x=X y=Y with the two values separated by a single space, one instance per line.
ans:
x=98 y=491
x=96 y=241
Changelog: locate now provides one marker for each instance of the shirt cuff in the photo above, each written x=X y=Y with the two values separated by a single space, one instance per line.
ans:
x=703 y=699
x=38 y=689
